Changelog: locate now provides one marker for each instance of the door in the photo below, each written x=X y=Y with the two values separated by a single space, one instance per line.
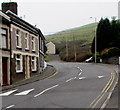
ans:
x=4 y=70
x=27 y=73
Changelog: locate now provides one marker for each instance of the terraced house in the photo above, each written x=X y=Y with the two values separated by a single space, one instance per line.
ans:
x=4 y=49
x=27 y=46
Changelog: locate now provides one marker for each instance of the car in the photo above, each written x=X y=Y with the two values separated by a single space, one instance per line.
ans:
x=89 y=59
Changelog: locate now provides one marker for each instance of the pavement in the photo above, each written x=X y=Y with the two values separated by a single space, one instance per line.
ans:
x=48 y=71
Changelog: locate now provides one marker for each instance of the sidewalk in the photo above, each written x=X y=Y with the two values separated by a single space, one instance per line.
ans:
x=50 y=70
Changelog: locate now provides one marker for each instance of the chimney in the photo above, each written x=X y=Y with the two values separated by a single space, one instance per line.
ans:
x=12 y=6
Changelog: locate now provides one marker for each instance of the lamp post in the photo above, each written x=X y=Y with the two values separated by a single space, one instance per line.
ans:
x=95 y=40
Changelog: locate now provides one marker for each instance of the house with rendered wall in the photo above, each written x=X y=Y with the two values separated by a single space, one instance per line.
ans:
x=51 y=48
x=27 y=46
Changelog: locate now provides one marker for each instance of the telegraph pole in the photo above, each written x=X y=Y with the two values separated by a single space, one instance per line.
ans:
x=66 y=47
x=74 y=47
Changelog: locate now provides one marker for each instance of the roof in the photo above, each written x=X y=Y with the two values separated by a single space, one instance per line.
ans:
x=4 y=16
x=22 y=23
x=50 y=43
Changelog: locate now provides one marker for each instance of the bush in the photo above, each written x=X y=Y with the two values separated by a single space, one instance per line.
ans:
x=114 y=51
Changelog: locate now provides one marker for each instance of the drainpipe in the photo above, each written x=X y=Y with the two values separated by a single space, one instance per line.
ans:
x=10 y=56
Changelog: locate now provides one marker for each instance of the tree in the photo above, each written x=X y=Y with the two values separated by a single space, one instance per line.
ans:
x=102 y=35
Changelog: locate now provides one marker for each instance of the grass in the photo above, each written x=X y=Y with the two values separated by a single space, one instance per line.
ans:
x=83 y=33
x=80 y=37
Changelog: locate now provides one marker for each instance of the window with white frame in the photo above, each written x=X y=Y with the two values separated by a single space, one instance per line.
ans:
x=18 y=39
x=26 y=41
x=33 y=44
x=4 y=37
x=18 y=63
x=33 y=63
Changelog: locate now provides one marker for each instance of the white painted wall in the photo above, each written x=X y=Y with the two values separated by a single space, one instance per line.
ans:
x=50 y=48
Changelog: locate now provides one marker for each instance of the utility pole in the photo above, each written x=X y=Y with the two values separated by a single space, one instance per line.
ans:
x=74 y=47
x=95 y=40
x=66 y=47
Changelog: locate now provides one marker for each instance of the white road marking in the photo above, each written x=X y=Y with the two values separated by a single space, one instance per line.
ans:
x=82 y=77
x=78 y=67
x=75 y=77
x=25 y=92
x=10 y=106
x=45 y=90
x=69 y=79
x=81 y=70
x=8 y=93
x=100 y=76
x=80 y=73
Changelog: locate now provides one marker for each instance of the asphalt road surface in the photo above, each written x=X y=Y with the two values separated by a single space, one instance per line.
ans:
x=75 y=85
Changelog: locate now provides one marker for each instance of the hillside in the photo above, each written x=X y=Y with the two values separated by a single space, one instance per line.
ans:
x=83 y=33
x=78 y=40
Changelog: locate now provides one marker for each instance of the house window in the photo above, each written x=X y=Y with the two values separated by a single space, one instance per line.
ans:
x=33 y=44
x=4 y=37
x=18 y=39
x=26 y=42
x=33 y=63
x=18 y=63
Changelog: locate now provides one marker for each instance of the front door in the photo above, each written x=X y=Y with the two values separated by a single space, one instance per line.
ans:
x=27 y=73
x=4 y=71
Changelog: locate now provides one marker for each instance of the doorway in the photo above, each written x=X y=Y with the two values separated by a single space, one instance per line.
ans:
x=5 y=70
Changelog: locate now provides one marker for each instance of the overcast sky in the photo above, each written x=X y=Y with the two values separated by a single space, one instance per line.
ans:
x=56 y=15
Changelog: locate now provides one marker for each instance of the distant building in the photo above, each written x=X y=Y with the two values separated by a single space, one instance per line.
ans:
x=50 y=48
x=22 y=47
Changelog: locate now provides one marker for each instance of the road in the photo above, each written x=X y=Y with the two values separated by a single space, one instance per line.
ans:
x=75 y=85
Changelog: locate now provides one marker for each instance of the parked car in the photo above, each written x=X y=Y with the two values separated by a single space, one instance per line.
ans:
x=89 y=59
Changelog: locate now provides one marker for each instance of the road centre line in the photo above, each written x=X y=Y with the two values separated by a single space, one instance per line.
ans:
x=10 y=106
x=105 y=89
x=82 y=78
x=69 y=79
x=45 y=90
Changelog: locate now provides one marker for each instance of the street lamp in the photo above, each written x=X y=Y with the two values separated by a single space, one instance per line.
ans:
x=95 y=40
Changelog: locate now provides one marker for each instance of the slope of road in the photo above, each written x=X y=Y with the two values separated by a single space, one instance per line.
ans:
x=77 y=85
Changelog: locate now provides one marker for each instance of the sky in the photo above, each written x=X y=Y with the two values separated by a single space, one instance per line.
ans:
x=52 y=16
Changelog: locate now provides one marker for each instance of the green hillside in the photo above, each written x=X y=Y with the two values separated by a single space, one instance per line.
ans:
x=83 y=33
x=78 y=39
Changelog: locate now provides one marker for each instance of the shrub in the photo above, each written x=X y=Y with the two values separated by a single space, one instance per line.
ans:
x=114 y=51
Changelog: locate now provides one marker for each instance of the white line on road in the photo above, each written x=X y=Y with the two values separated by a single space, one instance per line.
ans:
x=81 y=70
x=80 y=73
x=82 y=77
x=10 y=106
x=25 y=92
x=8 y=93
x=75 y=77
x=100 y=76
x=69 y=79
x=45 y=90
